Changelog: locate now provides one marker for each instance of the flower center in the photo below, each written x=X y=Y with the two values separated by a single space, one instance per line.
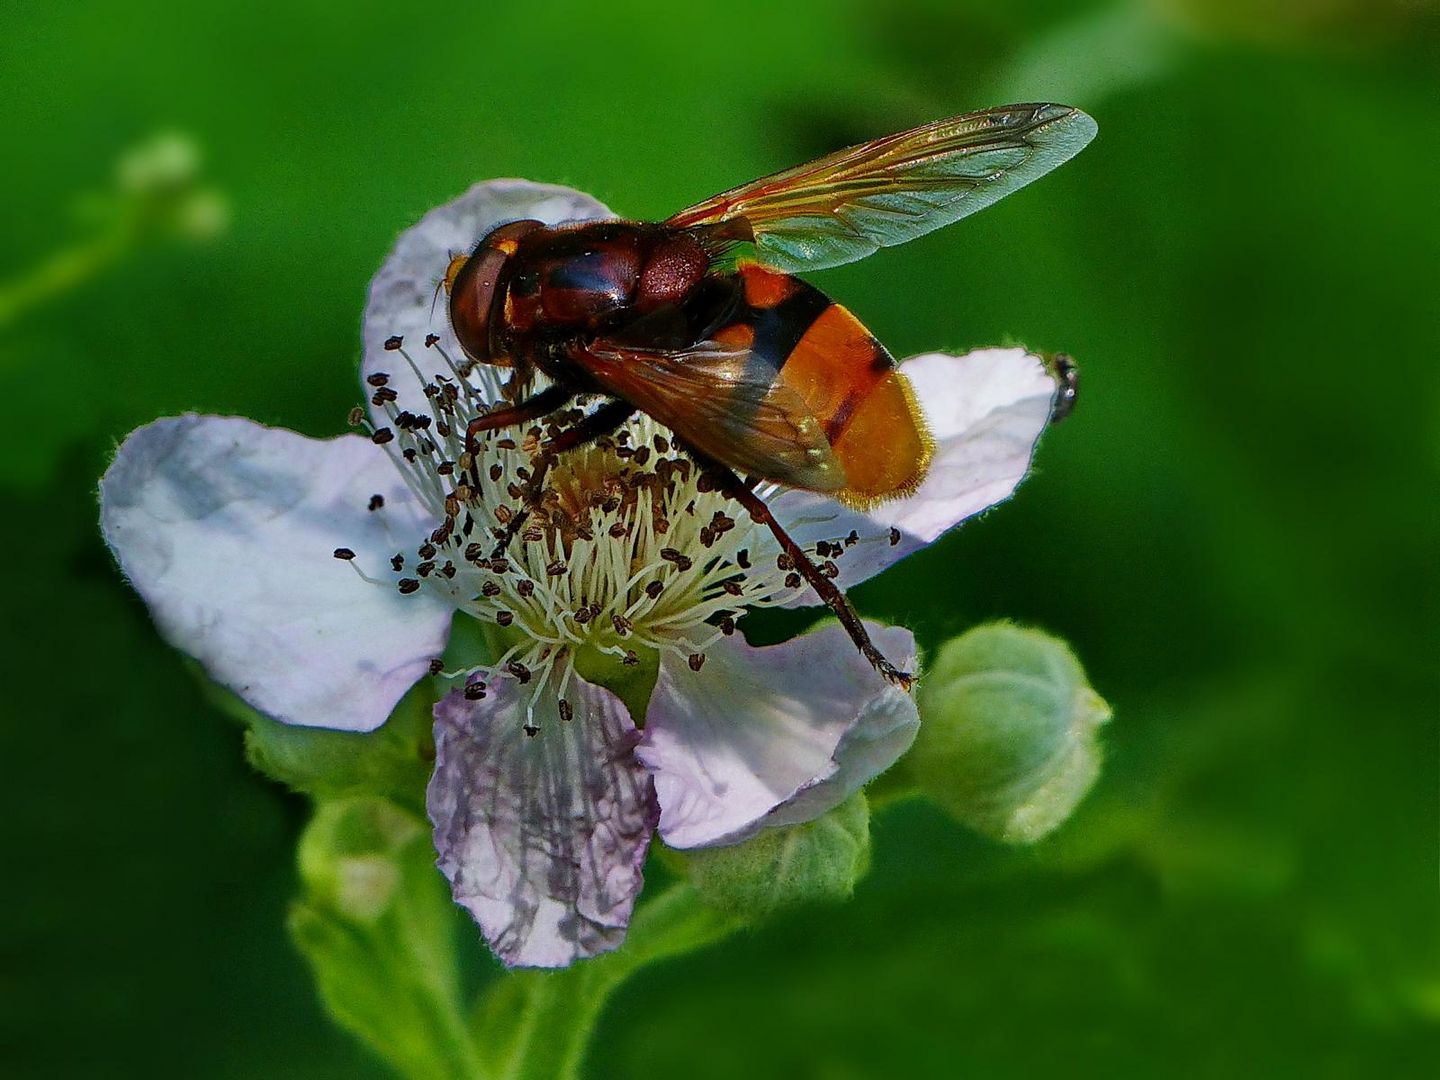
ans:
x=628 y=546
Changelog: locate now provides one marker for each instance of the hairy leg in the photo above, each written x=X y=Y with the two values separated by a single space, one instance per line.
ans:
x=739 y=490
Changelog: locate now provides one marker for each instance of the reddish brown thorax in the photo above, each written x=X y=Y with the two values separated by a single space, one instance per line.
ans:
x=528 y=285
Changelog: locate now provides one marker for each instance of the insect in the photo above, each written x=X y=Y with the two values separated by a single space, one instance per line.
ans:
x=698 y=321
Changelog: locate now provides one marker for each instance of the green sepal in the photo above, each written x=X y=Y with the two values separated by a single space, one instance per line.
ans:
x=377 y=926
x=394 y=760
x=821 y=860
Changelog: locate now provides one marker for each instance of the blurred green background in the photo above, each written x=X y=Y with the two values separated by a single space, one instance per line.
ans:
x=1237 y=530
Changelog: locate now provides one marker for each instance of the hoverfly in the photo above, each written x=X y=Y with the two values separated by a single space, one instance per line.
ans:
x=759 y=374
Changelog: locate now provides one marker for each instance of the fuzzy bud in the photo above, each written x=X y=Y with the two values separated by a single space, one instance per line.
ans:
x=1007 y=739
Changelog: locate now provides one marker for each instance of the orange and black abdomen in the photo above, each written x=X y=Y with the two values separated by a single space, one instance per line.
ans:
x=846 y=378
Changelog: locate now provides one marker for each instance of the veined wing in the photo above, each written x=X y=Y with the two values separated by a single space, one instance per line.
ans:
x=723 y=405
x=877 y=194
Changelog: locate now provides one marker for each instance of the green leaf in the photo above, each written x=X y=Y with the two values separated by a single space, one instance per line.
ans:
x=779 y=868
x=377 y=926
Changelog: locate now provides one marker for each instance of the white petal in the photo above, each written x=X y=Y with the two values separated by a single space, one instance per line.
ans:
x=402 y=300
x=772 y=736
x=543 y=838
x=986 y=410
x=228 y=529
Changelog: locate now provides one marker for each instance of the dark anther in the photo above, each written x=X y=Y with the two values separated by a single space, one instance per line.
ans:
x=474 y=691
x=431 y=339
x=525 y=587
x=642 y=455
x=383 y=396
x=894 y=536
x=682 y=562
x=742 y=558
x=381 y=437
x=473 y=552
x=408 y=585
x=519 y=670
x=426 y=551
x=377 y=378
x=662 y=444
x=566 y=712
x=792 y=581
x=504 y=514
x=630 y=659
x=376 y=502
x=442 y=429
x=396 y=562
x=506 y=444
x=496 y=471
x=344 y=553
x=499 y=565
x=616 y=531
x=409 y=454
x=437 y=666
x=697 y=661
x=448 y=569
x=530 y=729
x=505 y=618
x=733 y=587
x=445 y=468
x=727 y=626
x=425 y=567
x=852 y=539
x=622 y=625
x=829 y=569
x=532 y=533
x=556 y=568
x=583 y=616
x=490 y=588
x=783 y=561
x=356 y=415
x=654 y=589
x=393 y=342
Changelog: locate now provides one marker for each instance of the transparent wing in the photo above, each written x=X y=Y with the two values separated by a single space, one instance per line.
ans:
x=725 y=406
x=852 y=202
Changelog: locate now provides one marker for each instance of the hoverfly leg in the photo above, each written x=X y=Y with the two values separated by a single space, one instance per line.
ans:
x=741 y=491
x=607 y=418
x=532 y=408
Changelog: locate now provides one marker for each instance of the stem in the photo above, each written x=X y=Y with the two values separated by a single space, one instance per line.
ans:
x=536 y=1025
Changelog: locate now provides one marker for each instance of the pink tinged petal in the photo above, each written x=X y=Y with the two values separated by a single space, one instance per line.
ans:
x=772 y=736
x=542 y=837
x=228 y=529
x=986 y=410
x=402 y=300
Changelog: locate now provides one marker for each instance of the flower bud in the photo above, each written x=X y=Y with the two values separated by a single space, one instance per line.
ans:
x=782 y=867
x=1007 y=739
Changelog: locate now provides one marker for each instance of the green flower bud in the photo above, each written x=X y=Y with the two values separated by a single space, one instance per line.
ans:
x=779 y=868
x=1007 y=739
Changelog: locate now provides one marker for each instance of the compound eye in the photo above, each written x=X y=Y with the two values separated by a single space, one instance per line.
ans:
x=476 y=284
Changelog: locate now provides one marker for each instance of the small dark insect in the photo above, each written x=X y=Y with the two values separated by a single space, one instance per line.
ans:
x=758 y=373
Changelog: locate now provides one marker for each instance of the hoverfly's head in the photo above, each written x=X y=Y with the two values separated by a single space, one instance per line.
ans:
x=476 y=284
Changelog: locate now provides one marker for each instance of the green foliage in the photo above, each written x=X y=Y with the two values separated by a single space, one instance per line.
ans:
x=377 y=926
x=782 y=867
x=1007 y=738
x=393 y=760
